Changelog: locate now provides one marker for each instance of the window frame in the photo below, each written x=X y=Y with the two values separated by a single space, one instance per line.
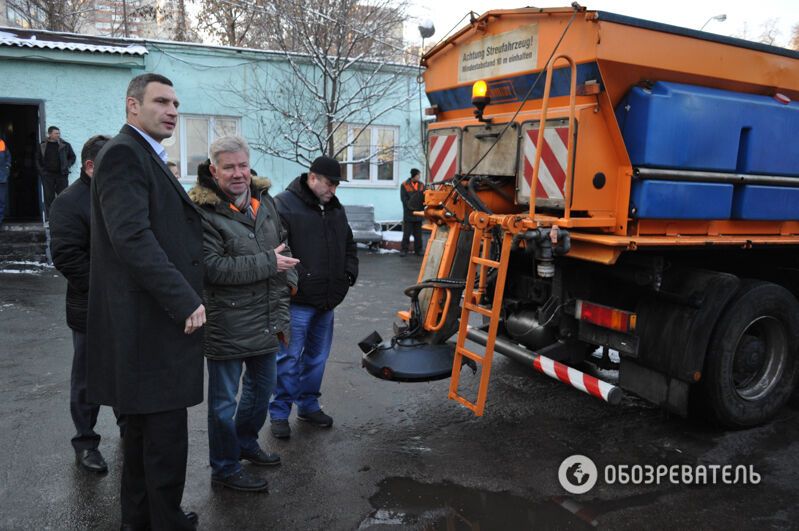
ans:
x=183 y=145
x=373 y=181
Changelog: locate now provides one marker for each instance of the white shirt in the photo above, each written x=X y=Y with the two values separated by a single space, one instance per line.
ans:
x=156 y=145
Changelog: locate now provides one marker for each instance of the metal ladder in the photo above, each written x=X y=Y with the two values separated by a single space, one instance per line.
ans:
x=480 y=257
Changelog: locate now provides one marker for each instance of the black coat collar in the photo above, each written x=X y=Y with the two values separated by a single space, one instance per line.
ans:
x=300 y=188
x=85 y=179
x=130 y=131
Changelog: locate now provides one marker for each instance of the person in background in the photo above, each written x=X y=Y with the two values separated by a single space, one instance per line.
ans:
x=5 y=173
x=173 y=167
x=54 y=159
x=412 y=197
x=70 y=246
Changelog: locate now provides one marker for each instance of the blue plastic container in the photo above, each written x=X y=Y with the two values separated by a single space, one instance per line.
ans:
x=697 y=128
x=681 y=200
x=756 y=202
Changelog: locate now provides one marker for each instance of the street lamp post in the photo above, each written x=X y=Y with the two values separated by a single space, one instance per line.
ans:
x=720 y=18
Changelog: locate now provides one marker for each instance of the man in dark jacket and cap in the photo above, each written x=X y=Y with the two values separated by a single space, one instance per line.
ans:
x=69 y=243
x=320 y=237
x=248 y=277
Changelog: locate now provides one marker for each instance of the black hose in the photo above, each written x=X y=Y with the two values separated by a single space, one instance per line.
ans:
x=473 y=192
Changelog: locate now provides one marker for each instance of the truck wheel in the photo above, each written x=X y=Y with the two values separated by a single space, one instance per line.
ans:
x=751 y=365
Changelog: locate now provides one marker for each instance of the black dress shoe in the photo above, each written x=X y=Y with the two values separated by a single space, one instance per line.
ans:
x=92 y=460
x=241 y=480
x=261 y=458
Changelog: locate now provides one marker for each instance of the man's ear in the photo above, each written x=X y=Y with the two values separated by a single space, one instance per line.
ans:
x=212 y=169
x=132 y=105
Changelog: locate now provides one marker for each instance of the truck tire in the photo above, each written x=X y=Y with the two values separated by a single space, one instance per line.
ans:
x=751 y=364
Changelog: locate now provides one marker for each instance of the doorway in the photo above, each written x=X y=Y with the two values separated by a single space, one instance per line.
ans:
x=21 y=123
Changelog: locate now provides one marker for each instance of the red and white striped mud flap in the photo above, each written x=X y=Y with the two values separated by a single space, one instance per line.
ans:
x=443 y=156
x=552 y=169
x=578 y=379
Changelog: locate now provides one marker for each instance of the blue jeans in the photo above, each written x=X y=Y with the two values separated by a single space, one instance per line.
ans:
x=233 y=428
x=301 y=364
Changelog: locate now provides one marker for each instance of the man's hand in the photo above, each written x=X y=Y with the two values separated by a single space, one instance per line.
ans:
x=195 y=321
x=284 y=263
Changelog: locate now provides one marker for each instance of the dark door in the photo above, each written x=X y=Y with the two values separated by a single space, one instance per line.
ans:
x=20 y=125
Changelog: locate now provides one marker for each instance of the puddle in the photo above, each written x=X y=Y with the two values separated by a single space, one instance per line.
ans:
x=403 y=503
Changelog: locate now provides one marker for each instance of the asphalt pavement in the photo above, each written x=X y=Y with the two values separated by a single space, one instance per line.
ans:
x=399 y=456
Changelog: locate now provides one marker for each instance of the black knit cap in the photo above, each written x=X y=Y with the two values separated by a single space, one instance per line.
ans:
x=328 y=167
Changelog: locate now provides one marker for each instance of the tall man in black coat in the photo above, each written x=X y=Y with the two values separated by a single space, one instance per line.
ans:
x=70 y=215
x=144 y=306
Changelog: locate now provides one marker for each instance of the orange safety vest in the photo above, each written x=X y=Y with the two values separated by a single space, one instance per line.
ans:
x=412 y=186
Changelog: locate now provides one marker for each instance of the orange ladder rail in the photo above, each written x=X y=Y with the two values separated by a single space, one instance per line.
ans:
x=471 y=303
x=569 y=148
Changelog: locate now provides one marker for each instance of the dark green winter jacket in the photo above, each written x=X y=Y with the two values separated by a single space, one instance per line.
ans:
x=246 y=299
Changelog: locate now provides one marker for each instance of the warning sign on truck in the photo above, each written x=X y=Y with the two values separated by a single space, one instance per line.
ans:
x=499 y=55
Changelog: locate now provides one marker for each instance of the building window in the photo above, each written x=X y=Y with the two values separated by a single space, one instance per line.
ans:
x=23 y=15
x=188 y=145
x=370 y=158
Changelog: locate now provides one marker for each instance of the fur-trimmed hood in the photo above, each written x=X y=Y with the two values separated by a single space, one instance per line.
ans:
x=207 y=193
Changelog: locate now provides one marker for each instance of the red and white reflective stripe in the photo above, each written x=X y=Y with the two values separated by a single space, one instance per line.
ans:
x=554 y=159
x=586 y=514
x=578 y=379
x=443 y=156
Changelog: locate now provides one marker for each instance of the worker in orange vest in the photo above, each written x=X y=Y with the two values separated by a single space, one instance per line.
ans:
x=5 y=173
x=412 y=197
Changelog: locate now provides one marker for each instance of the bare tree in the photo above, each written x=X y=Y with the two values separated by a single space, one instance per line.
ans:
x=53 y=15
x=128 y=16
x=234 y=23
x=340 y=67
x=794 y=44
x=769 y=32
x=182 y=25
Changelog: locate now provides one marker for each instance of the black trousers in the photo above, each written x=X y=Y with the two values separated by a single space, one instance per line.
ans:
x=52 y=184
x=84 y=414
x=154 y=470
x=412 y=228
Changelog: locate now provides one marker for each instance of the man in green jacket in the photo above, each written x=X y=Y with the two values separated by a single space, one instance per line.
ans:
x=249 y=274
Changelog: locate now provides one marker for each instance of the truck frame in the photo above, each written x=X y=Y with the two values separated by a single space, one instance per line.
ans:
x=662 y=238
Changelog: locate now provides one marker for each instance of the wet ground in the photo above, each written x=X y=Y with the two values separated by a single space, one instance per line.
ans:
x=400 y=456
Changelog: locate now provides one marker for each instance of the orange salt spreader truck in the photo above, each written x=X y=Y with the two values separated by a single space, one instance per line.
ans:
x=662 y=243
